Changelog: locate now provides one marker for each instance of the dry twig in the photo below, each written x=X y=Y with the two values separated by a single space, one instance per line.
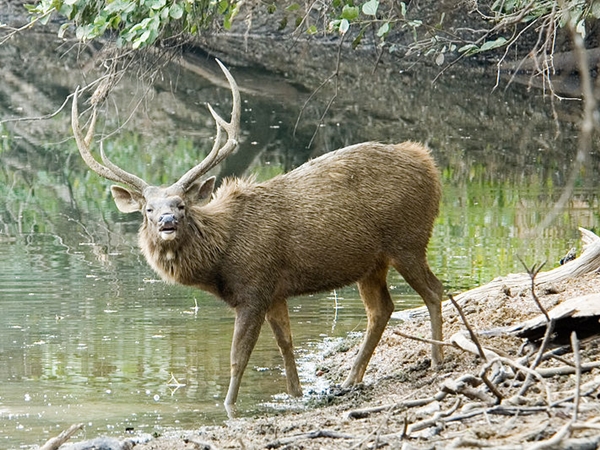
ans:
x=475 y=340
x=311 y=435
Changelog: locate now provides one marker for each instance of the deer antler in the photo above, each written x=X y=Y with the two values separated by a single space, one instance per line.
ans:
x=109 y=170
x=218 y=154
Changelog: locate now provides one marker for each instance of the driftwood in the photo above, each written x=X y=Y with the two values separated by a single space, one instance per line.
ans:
x=99 y=443
x=587 y=262
x=56 y=442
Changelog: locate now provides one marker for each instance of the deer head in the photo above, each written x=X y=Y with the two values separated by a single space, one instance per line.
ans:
x=164 y=208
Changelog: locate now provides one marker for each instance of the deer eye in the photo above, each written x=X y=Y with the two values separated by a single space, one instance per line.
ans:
x=181 y=207
x=149 y=210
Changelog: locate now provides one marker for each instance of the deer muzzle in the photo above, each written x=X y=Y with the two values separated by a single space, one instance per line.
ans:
x=167 y=226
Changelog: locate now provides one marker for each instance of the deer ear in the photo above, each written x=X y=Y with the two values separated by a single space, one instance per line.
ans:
x=200 y=192
x=126 y=200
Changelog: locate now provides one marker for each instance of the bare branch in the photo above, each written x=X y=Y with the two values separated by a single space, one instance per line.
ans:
x=577 y=358
x=471 y=332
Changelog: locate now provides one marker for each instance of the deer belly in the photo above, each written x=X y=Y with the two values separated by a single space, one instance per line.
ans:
x=326 y=274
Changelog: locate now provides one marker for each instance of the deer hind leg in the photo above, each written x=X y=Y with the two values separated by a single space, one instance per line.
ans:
x=248 y=322
x=379 y=307
x=279 y=319
x=418 y=275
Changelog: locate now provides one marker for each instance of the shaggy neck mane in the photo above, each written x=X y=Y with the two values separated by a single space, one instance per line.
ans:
x=193 y=255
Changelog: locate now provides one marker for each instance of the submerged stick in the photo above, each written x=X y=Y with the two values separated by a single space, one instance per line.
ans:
x=56 y=442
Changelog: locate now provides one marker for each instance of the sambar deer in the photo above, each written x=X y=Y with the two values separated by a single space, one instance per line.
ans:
x=341 y=218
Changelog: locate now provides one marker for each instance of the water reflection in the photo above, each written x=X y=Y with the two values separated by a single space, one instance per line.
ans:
x=79 y=344
x=88 y=334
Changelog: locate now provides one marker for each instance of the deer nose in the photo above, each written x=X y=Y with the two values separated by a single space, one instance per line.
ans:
x=166 y=219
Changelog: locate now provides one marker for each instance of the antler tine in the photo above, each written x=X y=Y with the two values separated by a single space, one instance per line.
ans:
x=109 y=171
x=83 y=143
x=218 y=154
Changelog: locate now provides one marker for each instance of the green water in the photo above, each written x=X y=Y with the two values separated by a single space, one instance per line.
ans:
x=87 y=332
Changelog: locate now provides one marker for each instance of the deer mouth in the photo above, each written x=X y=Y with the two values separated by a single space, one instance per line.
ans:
x=168 y=231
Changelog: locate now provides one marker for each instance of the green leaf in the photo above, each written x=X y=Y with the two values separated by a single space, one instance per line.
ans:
x=156 y=4
x=350 y=13
x=223 y=5
x=358 y=39
x=293 y=7
x=145 y=36
x=312 y=30
x=84 y=32
x=283 y=23
x=116 y=6
x=115 y=22
x=231 y=15
x=383 y=29
x=154 y=23
x=66 y=10
x=403 y=9
x=580 y=28
x=61 y=31
x=370 y=8
x=138 y=26
x=468 y=49
x=490 y=45
x=176 y=11
x=344 y=26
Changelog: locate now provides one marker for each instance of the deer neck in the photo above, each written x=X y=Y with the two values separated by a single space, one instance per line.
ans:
x=194 y=257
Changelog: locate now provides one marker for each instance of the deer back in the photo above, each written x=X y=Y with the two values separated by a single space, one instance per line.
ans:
x=324 y=224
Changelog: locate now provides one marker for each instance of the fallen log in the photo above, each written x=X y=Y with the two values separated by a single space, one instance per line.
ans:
x=581 y=314
x=587 y=262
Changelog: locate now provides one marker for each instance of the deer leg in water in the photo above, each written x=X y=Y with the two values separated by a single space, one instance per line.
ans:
x=379 y=307
x=248 y=322
x=279 y=319
x=418 y=275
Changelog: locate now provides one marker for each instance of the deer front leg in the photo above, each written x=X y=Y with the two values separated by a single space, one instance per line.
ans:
x=248 y=322
x=279 y=319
